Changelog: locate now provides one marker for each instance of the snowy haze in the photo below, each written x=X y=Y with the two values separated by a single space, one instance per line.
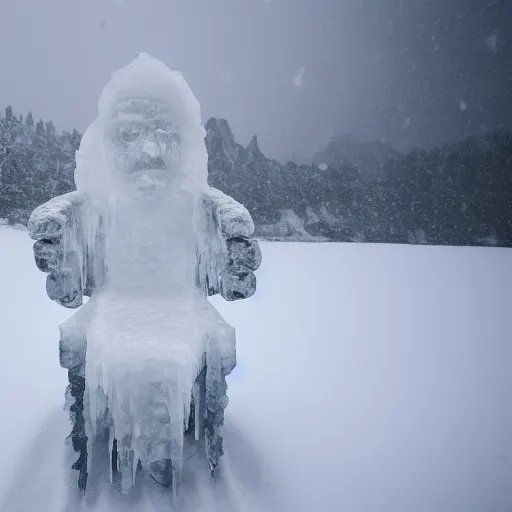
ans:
x=369 y=378
x=294 y=72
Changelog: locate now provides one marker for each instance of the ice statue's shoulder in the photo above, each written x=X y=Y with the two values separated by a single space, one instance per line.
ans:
x=233 y=218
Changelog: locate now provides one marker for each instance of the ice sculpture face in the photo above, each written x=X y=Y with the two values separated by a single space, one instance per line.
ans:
x=148 y=138
x=143 y=145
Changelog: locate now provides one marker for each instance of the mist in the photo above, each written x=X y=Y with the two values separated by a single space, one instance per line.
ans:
x=294 y=72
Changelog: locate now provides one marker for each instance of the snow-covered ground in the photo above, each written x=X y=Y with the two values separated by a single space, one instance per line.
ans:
x=369 y=379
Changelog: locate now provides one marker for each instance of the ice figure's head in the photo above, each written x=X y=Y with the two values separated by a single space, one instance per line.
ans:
x=142 y=143
x=148 y=138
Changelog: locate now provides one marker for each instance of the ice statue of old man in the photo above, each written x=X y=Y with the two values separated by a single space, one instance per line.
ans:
x=148 y=240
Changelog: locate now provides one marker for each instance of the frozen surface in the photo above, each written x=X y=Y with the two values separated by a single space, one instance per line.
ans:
x=31 y=380
x=377 y=381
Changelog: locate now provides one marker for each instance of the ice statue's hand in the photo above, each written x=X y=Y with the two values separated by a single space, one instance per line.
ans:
x=237 y=281
x=50 y=224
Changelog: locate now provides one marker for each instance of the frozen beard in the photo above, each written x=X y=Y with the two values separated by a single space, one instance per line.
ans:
x=145 y=148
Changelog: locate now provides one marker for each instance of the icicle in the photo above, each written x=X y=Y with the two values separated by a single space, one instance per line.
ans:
x=175 y=480
x=135 y=463
x=111 y=440
x=126 y=459
x=196 y=395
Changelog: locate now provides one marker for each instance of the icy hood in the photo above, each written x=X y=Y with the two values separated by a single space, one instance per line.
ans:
x=142 y=168
x=148 y=132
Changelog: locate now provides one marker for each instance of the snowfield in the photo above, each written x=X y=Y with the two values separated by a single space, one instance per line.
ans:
x=369 y=379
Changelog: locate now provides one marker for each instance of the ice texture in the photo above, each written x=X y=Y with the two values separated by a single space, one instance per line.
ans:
x=144 y=357
x=233 y=218
x=56 y=224
x=148 y=240
x=50 y=220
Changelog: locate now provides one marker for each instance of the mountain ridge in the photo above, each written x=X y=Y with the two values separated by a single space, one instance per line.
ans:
x=458 y=194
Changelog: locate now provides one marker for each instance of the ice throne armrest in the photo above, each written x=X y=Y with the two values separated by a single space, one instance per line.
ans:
x=233 y=218
x=50 y=219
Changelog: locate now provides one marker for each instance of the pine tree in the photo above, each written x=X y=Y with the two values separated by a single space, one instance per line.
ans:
x=29 y=121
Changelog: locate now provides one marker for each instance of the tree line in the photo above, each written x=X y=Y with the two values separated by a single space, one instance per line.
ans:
x=36 y=163
x=458 y=194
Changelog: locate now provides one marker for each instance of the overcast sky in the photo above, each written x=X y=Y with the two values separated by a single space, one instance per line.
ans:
x=294 y=72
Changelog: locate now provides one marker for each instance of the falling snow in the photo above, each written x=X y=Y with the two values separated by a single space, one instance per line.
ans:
x=299 y=77
x=407 y=123
x=492 y=41
x=463 y=105
x=322 y=167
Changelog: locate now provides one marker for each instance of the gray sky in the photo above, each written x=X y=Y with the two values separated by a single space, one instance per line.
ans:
x=294 y=72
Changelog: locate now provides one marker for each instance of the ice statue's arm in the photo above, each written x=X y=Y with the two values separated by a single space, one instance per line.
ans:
x=56 y=228
x=237 y=281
